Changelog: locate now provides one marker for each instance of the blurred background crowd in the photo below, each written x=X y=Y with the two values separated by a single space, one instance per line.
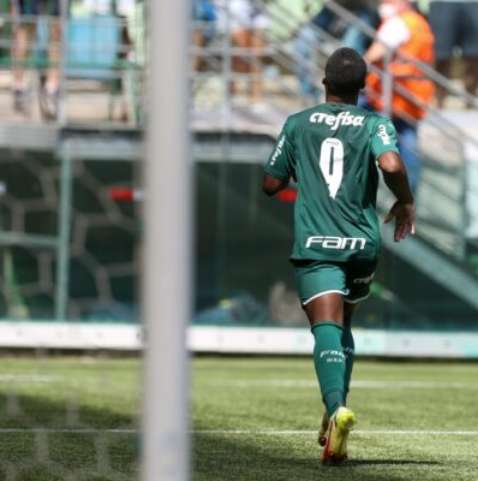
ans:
x=454 y=26
x=243 y=34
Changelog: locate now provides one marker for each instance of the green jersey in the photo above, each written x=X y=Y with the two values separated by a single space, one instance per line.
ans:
x=331 y=151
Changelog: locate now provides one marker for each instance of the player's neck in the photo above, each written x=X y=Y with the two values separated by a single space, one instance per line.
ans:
x=335 y=99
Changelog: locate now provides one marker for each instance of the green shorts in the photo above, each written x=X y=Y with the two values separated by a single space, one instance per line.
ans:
x=317 y=278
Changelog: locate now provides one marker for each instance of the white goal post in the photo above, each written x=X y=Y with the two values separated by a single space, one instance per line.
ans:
x=167 y=260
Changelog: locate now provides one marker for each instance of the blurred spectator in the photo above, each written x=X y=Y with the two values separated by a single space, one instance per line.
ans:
x=119 y=87
x=455 y=25
x=349 y=33
x=407 y=36
x=248 y=24
x=23 y=35
x=308 y=37
x=306 y=50
x=204 y=16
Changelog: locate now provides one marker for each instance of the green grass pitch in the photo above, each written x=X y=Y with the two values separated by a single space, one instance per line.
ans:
x=253 y=419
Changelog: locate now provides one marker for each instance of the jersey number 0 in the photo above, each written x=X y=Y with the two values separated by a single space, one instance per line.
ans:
x=332 y=164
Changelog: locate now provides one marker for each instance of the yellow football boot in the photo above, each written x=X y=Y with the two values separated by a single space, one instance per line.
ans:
x=340 y=425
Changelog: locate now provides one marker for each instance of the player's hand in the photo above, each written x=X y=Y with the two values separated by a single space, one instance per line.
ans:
x=404 y=215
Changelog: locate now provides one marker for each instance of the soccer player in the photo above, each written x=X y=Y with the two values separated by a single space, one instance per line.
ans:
x=332 y=151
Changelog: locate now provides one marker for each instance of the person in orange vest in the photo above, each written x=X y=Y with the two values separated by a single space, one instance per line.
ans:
x=403 y=38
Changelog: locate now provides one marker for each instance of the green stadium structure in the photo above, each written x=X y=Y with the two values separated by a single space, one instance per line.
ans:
x=71 y=235
x=61 y=222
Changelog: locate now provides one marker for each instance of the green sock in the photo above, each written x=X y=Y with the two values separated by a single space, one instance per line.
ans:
x=348 y=347
x=329 y=361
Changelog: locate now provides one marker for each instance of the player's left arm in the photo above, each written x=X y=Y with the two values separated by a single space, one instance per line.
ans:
x=281 y=164
x=271 y=185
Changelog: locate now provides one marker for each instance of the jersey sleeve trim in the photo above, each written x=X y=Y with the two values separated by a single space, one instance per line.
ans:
x=385 y=150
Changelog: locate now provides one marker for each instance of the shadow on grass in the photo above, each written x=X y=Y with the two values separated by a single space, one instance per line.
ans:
x=264 y=458
x=390 y=462
x=21 y=410
x=42 y=441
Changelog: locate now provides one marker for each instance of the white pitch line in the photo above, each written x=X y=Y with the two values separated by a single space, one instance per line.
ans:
x=271 y=432
x=358 y=384
x=67 y=431
x=29 y=378
x=279 y=383
x=417 y=432
x=416 y=384
x=242 y=432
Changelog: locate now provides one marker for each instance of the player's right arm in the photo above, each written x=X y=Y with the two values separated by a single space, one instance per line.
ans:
x=403 y=211
x=281 y=164
x=384 y=146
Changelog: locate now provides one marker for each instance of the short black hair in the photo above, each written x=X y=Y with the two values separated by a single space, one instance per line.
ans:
x=345 y=72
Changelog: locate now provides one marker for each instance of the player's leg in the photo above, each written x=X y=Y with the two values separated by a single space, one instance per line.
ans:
x=348 y=346
x=322 y=287
x=359 y=278
x=325 y=315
